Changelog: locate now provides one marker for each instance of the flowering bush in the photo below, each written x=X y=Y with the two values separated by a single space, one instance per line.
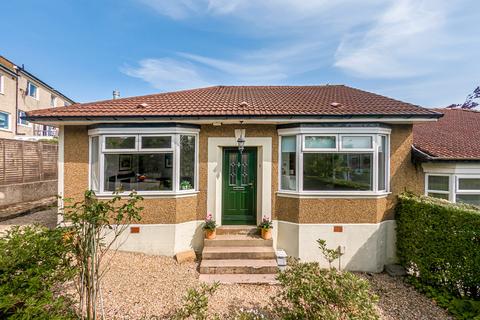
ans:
x=209 y=224
x=266 y=223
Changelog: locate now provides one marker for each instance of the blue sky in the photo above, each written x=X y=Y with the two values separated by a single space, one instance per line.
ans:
x=424 y=52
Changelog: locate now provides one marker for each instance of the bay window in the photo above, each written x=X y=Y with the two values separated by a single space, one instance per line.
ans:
x=150 y=163
x=334 y=161
x=461 y=188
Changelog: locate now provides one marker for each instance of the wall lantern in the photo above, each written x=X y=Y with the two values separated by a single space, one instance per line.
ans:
x=240 y=136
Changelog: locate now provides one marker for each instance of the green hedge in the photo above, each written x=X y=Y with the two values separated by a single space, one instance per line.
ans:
x=439 y=243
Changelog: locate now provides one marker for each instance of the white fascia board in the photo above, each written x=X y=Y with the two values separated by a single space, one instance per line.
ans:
x=334 y=130
x=140 y=130
x=196 y=120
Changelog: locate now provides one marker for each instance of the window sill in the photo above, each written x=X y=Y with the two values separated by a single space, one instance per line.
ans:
x=352 y=194
x=6 y=130
x=148 y=195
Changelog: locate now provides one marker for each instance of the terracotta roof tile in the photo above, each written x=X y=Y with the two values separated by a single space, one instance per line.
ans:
x=244 y=101
x=452 y=137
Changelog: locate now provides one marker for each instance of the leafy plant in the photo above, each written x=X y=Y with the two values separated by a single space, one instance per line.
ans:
x=35 y=264
x=209 y=223
x=310 y=292
x=439 y=244
x=94 y=226
x=266 y=224
x=329 y=254
x=185 y=185
x=195 y=303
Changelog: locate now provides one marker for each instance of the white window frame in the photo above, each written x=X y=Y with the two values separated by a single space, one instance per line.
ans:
x=19 y=114
x=175 y=133
x=448 y=192
x=339 y=132
x=37 y=92
x=172 y=142
x=305 y=149
x=9 y=121
x=2 y=84
x=53 y=101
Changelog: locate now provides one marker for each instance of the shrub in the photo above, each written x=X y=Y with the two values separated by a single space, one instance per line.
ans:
x=310 y=292
x=34 y=266
x=439 y=244
x=195 y=303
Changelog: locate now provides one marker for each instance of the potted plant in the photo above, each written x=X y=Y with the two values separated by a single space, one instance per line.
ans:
x=185 y=185
x=266 y=227
x=210 y=226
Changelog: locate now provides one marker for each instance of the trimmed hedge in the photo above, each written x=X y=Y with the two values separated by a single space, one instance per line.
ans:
x=439 y=243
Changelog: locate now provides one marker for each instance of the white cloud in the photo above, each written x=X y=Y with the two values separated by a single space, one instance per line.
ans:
x=397 y=43
x=167 y=74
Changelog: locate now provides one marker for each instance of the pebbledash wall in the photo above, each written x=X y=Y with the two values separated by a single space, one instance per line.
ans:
x=173 y=224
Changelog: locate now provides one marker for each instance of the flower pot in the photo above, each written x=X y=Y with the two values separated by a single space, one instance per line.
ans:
x=266 y=234
x=210 y=234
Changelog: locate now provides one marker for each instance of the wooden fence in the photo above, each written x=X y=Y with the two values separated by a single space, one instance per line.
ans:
x=27 y=161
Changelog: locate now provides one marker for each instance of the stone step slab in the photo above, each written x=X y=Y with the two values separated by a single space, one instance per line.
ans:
x=238 y=266
x=269 y=279
x=237 y=241
x=216 y=252
x=238 y=230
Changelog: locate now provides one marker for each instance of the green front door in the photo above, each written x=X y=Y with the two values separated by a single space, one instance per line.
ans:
x=239 y=194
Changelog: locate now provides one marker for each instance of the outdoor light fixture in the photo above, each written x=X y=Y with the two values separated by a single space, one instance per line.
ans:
x=240 y=136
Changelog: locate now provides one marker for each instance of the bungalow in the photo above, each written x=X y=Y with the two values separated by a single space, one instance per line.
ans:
x=449 y=154
x=320 y=161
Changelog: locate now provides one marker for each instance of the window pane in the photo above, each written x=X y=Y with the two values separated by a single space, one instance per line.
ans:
x=473 y=199
x=438 y=195
x=187 y=162
x=120 y=142
x=356 y=142
x=95 y=166
x=469 y=184
x=438 y=183
x=289 y=163
x=3 y=120
x=382 y=161
x=335 y=171
x=320 y=142
x=140 y=172
x=160 y=142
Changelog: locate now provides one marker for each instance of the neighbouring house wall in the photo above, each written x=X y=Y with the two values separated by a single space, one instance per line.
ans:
x=27 y=103
x=7 y=103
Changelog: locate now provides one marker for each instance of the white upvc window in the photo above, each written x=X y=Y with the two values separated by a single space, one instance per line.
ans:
x=461 y=188
x=5 y=121
x=150 y=163
x=334 y=161
x=2 y=84
x=53 y=101
x=20 y=118
x=32 y=90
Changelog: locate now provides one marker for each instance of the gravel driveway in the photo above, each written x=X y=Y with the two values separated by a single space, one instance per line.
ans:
x=47 y=218
x=140 y=286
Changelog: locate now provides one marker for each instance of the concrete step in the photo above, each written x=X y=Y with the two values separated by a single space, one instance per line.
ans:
x=228 y=240
x=238 y=230
x=238 y=266
x=239 y=278
x=215 y=252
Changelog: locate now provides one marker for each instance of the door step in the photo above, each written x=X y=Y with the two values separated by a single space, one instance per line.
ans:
x=234 y=240
x=217 y=252
x=239 y=278
x=238 y=230
x=239 y=266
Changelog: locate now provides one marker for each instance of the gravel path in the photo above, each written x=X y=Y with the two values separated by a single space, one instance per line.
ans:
x=399 y=300
x=140 y=286
x=47 y=218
